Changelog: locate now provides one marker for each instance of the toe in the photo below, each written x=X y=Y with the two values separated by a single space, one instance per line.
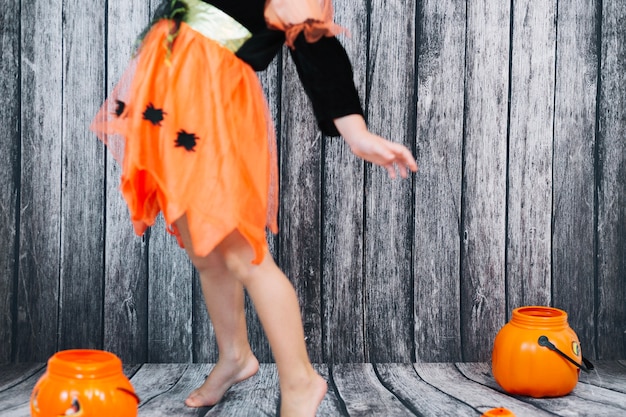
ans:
x=193 y=400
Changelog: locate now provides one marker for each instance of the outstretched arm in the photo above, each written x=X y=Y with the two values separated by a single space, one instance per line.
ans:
x=374 y=148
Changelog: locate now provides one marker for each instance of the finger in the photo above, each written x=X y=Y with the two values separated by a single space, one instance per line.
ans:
x=391 y=170
x=408 y=159
x=413 y=165
x=403 y=171
x=403 y=156
x=403 y=166
x=408 y=167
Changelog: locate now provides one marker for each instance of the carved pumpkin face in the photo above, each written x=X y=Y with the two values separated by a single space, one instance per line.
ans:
x=84 y=383
x=74 y=410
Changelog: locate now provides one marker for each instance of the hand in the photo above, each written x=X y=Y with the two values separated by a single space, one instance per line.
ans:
x=374 y=148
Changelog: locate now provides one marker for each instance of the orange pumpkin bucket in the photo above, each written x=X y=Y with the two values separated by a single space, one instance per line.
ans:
x=498 y=412
x=537 y=354
x=83 y=383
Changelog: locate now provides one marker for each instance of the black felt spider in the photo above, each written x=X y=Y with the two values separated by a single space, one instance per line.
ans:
x=154 y=115
x=186 y=140
x=119 y=107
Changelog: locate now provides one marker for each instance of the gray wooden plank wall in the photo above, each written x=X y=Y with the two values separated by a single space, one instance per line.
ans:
x=515 y=110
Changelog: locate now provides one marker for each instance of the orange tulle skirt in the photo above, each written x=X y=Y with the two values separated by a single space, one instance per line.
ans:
x=190 y=126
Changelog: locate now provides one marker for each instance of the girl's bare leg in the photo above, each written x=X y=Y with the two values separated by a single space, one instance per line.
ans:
x=224 y=298
x=275 y=300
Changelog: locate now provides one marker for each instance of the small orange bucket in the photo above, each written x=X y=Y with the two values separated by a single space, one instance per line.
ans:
x=498 y=412
x=86 y=383
x=537 y=353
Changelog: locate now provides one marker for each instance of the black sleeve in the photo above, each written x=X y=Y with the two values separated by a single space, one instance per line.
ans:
x=261 y=48
x=326 y=75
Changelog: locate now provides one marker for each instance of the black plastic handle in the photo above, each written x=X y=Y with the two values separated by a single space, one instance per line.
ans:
x=586 y=366
x=130 y=392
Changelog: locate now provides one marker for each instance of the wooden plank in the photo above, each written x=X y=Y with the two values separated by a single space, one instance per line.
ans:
x=436 y=267
x=14 y=402
x=611 y=185
x=332 y=404
x=256 y=396
x=153 y=380
x=9 y=175
x=40 y=195
x=82 y=204
x=343 y=257
x=343 y=222
x=530 y=153
x=157 y=386
x=604 y=396
x=447 y=378
x=362 y=392
x=481 y=373
x=606 y=375
x=204 y=341
x=125 y=263
x=483 y=262
x=300 y=218
x=170 y=298
x=420 y=397
x=130 y=369
x=170 y=401
x=388 y=288
x=15 y=373
x=20 y=411
x=573 y=221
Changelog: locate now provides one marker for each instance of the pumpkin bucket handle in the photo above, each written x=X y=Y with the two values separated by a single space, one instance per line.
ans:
x=130 y=392
x=587 y=366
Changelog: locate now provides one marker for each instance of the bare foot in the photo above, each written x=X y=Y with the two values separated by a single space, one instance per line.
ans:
x=224 y=375
x=303 y=400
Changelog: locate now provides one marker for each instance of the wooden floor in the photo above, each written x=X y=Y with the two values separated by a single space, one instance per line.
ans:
x=462 y=389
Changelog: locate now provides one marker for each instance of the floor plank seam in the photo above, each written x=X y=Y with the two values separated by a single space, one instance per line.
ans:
x=136 y=368
x=331 y=379
x=405 y=403
x=144 y=403
x=446 y=393
x=24 y=378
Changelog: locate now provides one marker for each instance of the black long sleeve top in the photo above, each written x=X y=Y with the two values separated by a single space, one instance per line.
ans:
x=324 y=68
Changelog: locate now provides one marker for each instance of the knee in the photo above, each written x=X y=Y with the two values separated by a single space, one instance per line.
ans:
x=232 y=257
x=224 y=264
x=238 y=267
x=208 y=264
